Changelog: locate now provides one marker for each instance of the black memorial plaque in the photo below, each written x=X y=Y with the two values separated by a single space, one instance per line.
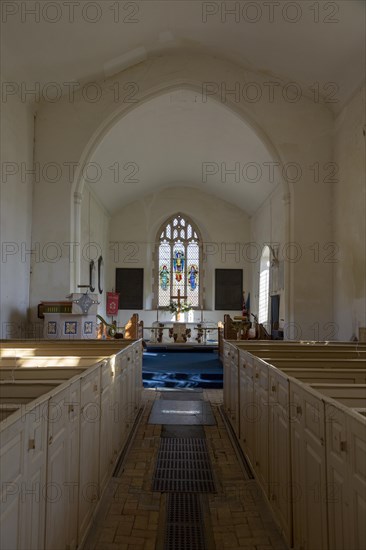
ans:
x=229 y=289
x=130 y=285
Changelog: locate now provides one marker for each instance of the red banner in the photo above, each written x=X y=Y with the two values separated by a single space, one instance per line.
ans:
x=112 y=303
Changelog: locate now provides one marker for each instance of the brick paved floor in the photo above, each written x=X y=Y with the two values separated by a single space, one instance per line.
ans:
x=131 y=515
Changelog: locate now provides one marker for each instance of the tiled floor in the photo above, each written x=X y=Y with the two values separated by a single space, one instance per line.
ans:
x=132 y=516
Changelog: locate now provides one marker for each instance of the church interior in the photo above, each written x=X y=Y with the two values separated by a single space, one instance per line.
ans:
x=183 y=275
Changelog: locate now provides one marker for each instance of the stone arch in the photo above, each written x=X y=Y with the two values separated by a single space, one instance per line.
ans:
x=165 y=87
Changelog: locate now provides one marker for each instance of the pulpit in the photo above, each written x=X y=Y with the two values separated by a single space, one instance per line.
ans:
x=74 y=319
x=241 y=325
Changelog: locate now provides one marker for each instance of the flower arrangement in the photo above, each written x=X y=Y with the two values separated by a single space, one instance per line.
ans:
x=173 y=307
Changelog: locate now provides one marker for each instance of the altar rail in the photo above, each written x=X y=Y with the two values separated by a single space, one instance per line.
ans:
x=62 y=430
x=301 y=422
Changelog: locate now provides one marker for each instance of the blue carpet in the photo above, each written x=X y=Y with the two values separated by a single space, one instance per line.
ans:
x=182 y=370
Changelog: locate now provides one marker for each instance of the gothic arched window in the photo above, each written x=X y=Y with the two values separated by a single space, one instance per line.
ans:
x=178 y=262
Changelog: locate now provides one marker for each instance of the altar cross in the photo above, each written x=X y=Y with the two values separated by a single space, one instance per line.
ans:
x=179 y=297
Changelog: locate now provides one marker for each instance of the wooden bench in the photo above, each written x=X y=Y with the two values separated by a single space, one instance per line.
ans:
x=49 y=360
x=273 y=345
x=299 y=412
x=311 y=353
x=16 y=391
x=66 y=412
x=317 y=363
x=39 y=373
x=7 y=409
x=340 y=375
x=351 y=395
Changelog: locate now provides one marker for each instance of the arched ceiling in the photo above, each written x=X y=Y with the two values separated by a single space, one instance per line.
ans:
x=301 y=41
x=168 y=140
x=177 y=140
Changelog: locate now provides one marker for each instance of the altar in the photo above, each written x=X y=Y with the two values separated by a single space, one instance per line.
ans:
x=175 y=332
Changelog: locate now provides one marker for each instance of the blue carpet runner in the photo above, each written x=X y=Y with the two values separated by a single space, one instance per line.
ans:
x=173 y=369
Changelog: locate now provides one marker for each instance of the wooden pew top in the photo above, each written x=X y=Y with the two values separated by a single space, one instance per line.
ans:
x=30 y=382
x=67 y=344
x=41 y=382
x=311 y=370
x=59 y=362
x=315 y=362
x=16 y=391
x=280 y=344
x=331 y=386
x=344 y=392
x=83 y=341
x=311 y=353
x=31 y=352
x=36 y=373
x=95 y=350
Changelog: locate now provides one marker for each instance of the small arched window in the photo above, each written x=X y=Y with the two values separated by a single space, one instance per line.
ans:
x=264 y=286
x=178 y=262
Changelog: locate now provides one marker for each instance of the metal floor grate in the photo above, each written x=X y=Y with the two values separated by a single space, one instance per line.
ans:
x=183 y=465
x=184 y=524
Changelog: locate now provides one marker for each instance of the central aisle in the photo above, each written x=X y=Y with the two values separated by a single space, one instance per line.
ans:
x=134 y=516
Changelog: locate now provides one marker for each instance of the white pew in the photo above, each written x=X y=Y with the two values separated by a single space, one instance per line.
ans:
x=59 y=449
x=282 y=431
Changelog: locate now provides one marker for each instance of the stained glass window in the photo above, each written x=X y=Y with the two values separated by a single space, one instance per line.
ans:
x=179 y=262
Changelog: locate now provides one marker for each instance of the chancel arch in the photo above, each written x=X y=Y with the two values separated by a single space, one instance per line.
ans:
x=122 y=115
x=270 y=121
x=170 y=84
x=186 y=72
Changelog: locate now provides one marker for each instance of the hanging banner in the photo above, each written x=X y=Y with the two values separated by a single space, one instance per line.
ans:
x=112 y=303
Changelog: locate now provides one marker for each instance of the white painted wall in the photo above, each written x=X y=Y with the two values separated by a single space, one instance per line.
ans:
x=17 y=131
x=268 y=227
x=350 y=218
x=52 y=206
x=224 y=229
x=298 y=132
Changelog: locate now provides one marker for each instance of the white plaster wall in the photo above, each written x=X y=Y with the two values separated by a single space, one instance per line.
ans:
x=350 y=218
x=52 y=205
x=295 y=132
x=307 y=271
x=224 y=230
x=94 y=243
x=17 y=131
x=268 y=227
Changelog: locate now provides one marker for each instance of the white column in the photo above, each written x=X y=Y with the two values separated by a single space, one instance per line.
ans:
x=288 y=268
x=75 y=265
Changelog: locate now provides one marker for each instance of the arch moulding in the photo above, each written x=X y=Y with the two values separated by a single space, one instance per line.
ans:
x=167 y=84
